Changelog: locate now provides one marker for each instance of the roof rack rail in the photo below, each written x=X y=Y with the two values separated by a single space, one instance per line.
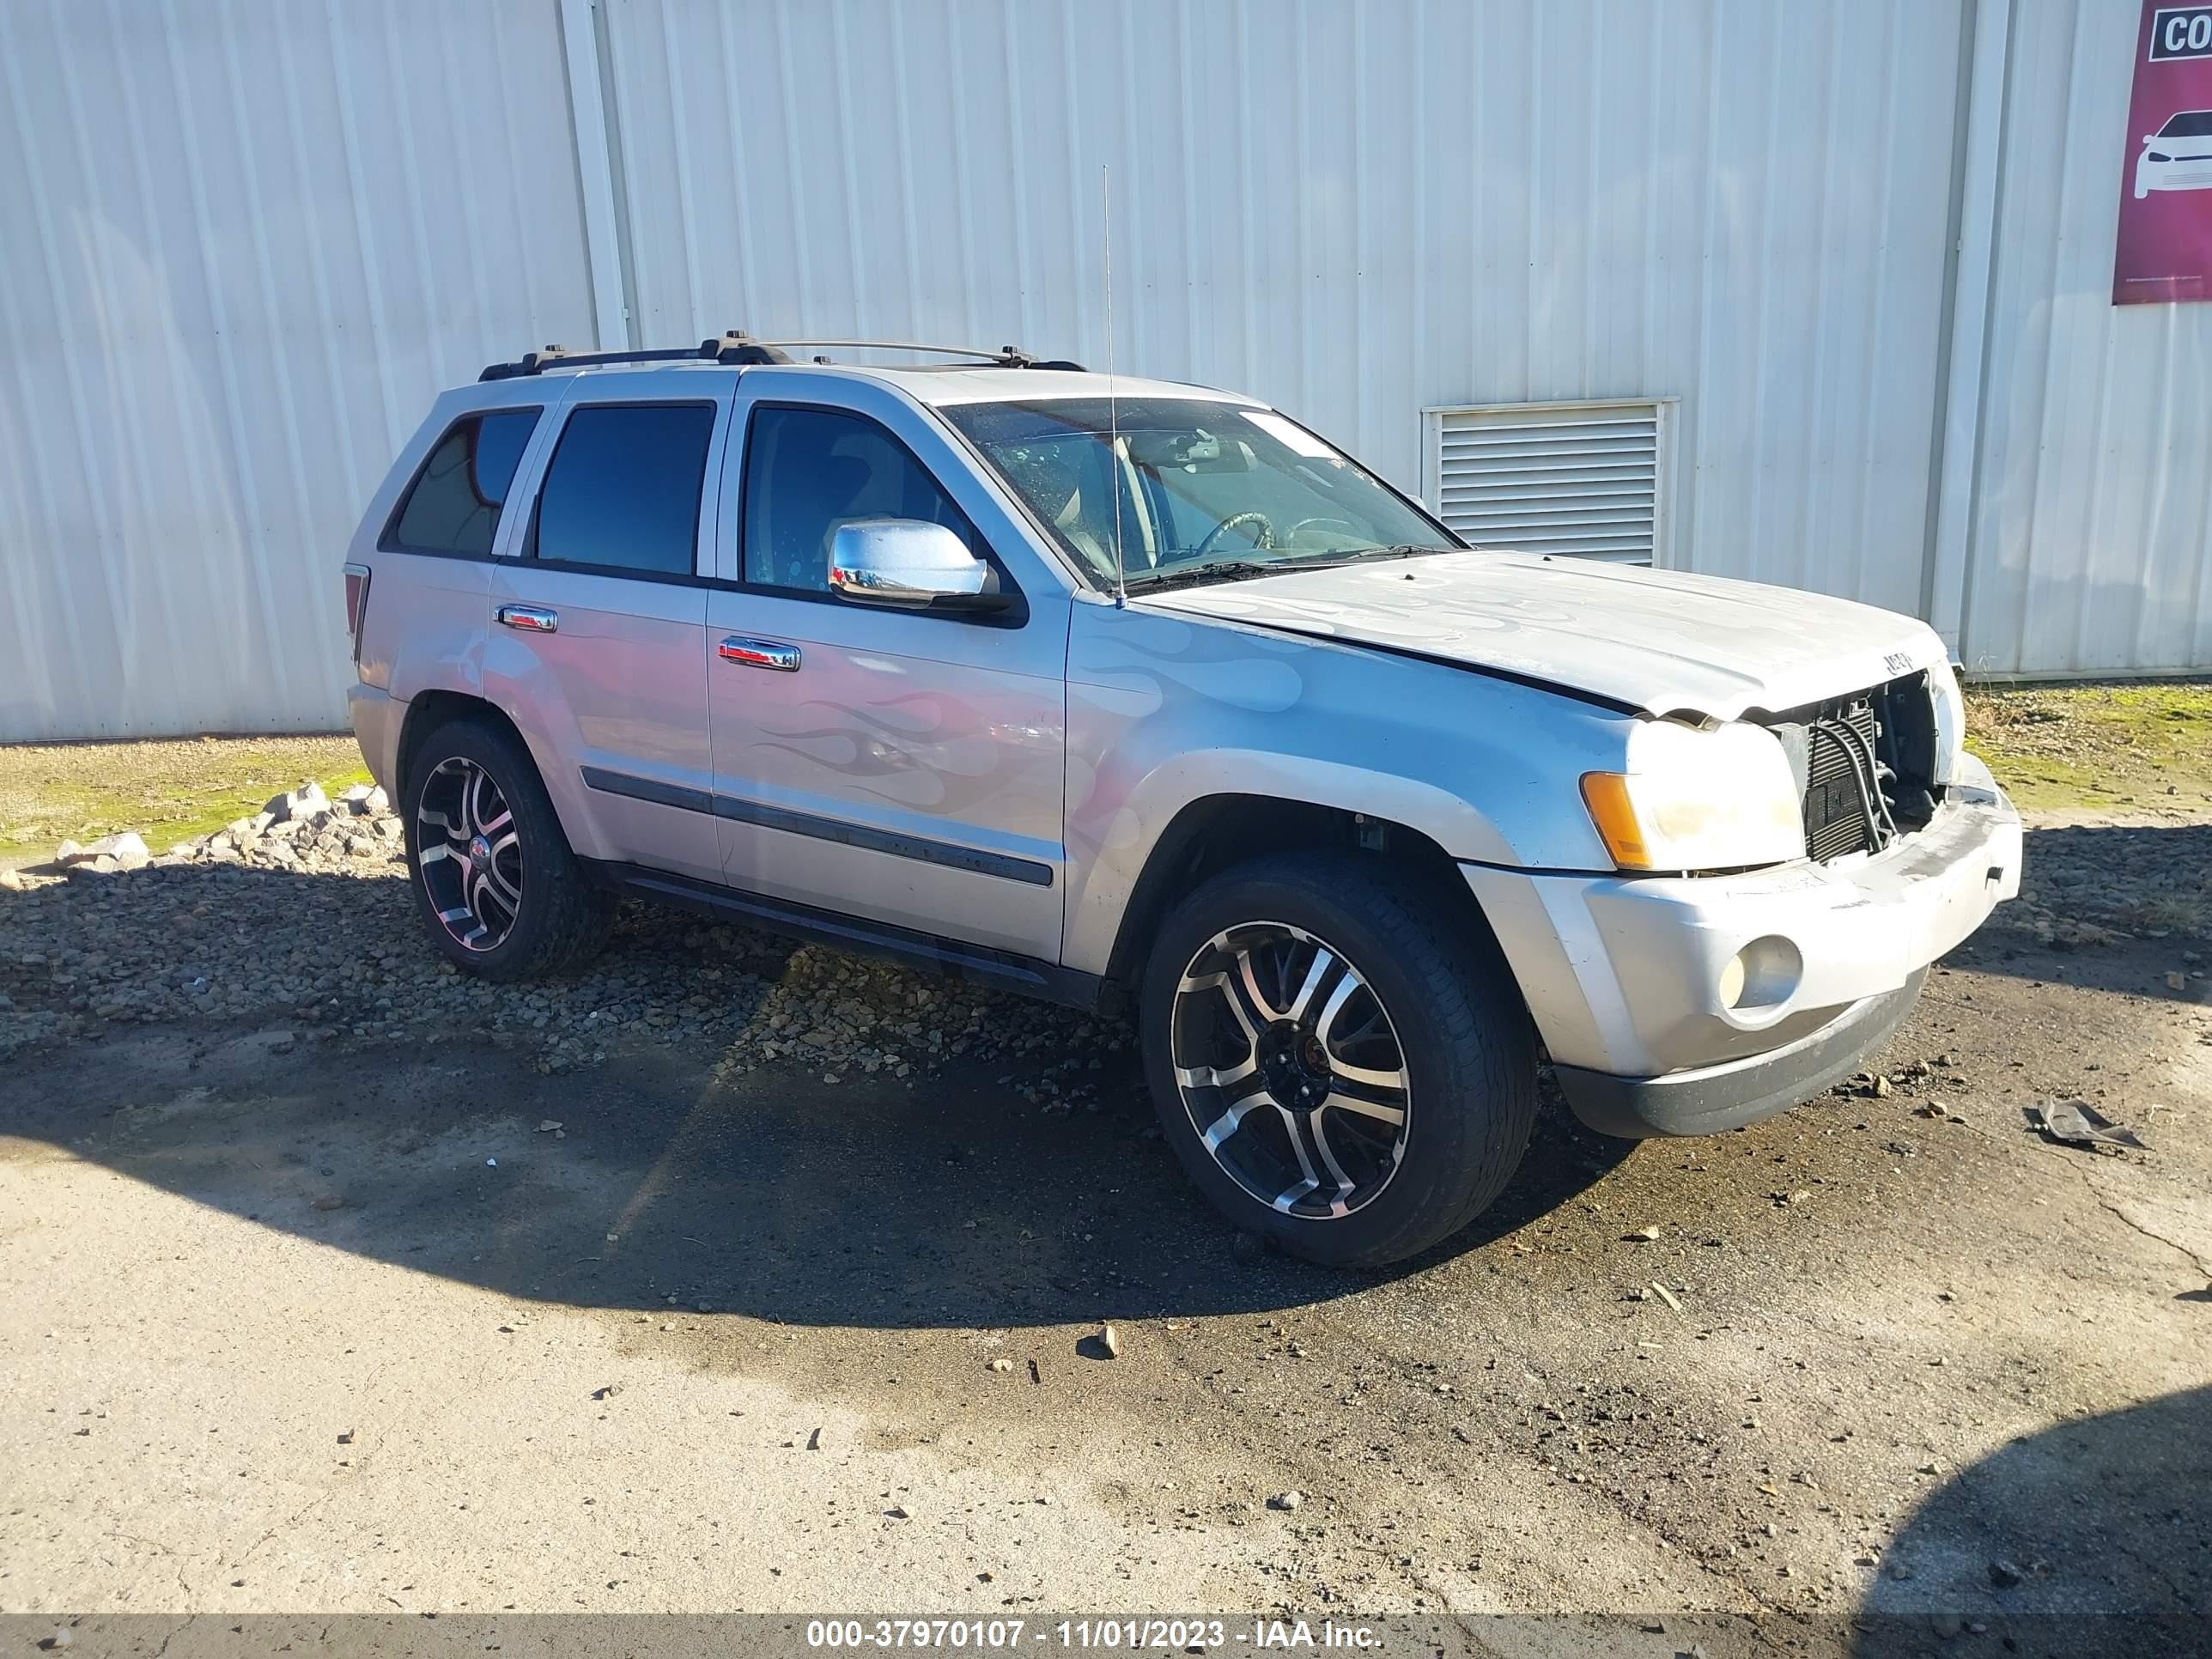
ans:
x=734 y=347
x=1004 y=357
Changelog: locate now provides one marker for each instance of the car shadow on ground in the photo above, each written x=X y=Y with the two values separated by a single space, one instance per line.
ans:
x=680 y=1179
x=2107 y=908
x=689 y=1173
x=2092 y=1536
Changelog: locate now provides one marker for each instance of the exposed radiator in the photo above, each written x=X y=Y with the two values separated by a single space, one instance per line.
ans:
x=1865 y=762
x=1839 y=753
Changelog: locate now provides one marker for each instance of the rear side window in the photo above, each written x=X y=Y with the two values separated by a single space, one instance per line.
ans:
x=809 y=471
x=622 y=489
x=453 y=504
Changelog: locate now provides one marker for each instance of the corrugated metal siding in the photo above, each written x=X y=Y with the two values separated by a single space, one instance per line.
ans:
x=242 y=241
x=2092 y=534
x=1356 y=211
x=243 y=244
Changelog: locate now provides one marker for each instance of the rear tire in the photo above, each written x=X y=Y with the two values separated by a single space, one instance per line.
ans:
x=1342 y=1067
x=500 y=892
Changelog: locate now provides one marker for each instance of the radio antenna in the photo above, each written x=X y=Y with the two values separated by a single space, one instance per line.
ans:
x=1113 y=402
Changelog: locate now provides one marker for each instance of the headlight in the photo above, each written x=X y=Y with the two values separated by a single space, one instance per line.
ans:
x=1950 y=710
x=2157 y=156
x=1692 y=799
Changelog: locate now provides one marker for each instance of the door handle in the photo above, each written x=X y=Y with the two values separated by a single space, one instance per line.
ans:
x=761 y=653
x=531 y=618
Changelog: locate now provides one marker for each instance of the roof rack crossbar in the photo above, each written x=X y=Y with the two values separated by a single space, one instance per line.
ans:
x=736 y=347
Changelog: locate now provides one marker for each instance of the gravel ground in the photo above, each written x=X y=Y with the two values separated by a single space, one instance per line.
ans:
x=318 y=927
x=330 y=1280
x=189 y=937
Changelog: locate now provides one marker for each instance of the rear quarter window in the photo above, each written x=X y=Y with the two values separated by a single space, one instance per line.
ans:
x=453 y=501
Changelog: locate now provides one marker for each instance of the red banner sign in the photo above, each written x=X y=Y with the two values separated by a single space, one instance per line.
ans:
x=2165 y=246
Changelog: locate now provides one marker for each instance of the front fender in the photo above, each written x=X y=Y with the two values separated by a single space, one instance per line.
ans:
x=1109 y=850
x=1164 y=711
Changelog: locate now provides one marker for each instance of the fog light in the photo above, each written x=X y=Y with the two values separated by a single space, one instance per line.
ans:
x=1763 y=975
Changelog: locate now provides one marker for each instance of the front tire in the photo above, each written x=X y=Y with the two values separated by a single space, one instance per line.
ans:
x=1341 y=1066
x=500 y=892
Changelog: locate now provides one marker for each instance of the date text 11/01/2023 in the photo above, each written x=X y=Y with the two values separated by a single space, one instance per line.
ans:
x=1095 y=1635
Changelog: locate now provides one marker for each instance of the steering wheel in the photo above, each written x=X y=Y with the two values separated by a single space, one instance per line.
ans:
x=1266 y=537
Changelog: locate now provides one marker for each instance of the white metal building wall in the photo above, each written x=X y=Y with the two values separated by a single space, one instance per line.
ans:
x=2091 y=543
x=242 y=241
x=242 y=244
x=1356 y=211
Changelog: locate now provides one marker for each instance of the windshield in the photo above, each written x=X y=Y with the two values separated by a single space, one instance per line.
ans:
x=1197 y=486
x=2190 y=124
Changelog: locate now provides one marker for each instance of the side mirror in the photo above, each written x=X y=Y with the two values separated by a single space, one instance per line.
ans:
x=912 y=564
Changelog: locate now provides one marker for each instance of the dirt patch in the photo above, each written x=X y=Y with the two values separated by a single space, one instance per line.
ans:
x=723 y=1337
x=167 y=792
x=329 y=1281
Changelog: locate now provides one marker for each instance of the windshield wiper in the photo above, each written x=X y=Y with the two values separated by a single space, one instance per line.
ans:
x=1395 y=550
x=1228 y=570
x=1232 y=570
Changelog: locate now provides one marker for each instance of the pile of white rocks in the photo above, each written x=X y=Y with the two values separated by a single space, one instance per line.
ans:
x=302 y=828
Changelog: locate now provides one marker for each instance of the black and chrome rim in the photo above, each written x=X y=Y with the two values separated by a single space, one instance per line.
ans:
x=469 y=854
x=1290 y=1070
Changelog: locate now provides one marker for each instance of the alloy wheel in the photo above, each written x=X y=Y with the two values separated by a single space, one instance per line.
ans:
x=470 y=854
x=1290 y=1070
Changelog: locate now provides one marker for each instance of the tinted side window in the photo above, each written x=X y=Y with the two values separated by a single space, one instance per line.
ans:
x=808 y=471
x=623 y=488
x=454 y=505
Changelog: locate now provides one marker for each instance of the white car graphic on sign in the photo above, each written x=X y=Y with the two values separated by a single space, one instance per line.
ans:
x=2178 y=156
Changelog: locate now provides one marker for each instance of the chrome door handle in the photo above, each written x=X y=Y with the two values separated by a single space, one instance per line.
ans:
x=531 y=618
x=761 y=653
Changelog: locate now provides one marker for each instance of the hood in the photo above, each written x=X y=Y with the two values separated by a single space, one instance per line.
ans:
x=1664 y=642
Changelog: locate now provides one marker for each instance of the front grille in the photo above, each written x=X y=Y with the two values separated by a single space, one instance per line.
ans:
x=1865 y=766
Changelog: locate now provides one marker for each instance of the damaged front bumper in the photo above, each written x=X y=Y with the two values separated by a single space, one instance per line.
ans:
x=1688 y=1005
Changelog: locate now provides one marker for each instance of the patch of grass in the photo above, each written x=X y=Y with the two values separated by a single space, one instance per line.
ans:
x=2172 y=912
x=167 y=792
x=2130 y=744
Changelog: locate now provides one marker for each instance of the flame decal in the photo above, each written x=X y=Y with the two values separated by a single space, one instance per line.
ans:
x=922 y=748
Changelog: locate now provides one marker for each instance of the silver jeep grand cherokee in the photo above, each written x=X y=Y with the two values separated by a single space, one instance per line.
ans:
x=1142 y=694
